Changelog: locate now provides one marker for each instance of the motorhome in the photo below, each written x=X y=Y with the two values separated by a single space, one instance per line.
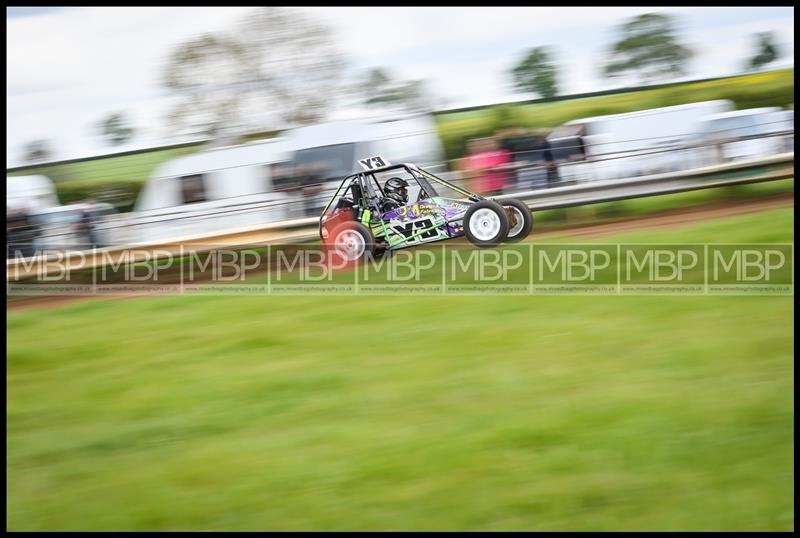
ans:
x=262 y=182
x=630 y=144
x=743 y=134
x=210 y=191
x=30 y=193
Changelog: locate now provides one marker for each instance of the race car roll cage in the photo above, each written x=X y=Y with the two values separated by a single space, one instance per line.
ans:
x=370 y=199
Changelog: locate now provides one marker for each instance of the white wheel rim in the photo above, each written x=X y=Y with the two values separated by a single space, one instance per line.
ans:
x=351 y=244
x=520 y=218
x=484 y=224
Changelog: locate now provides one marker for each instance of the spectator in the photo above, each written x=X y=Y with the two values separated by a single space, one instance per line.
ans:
x=86 y=226
x=581 y=143
x=486 y=164
x=542 y=146
x=532 y=155
x=517 y=143
x=469 y=174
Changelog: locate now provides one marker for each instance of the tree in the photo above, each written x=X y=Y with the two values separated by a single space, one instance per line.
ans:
x=648 y=47
x=116 y=129
x=293 y=63
x=417 y=96
x=766 y=51
x=38 y=151
x=277 y=67
x=536 y=73
x=204 y=75
x=379 y=89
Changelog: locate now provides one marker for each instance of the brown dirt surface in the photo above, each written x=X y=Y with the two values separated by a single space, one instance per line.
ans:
x=676 y=218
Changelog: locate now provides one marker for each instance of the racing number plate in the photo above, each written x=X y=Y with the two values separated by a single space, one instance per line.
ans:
x=371 y=163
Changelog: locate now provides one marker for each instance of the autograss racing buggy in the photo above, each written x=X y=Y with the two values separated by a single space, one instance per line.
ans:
x=388 y=207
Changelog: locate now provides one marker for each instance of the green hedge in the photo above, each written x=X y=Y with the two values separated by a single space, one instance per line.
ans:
x=121 y=194
x=131 y=167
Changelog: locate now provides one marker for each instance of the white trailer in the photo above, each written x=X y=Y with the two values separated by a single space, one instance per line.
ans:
x=210 y=191
x=263 y=182
x=743 y=134
x=632 y=144
x=338 y=145
x=30 y=193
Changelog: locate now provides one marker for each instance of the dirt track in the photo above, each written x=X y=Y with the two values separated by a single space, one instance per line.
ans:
x=668 y=219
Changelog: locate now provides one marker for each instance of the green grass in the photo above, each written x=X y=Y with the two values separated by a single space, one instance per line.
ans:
x=331 y=413
x=136 y=168
x=637 y=207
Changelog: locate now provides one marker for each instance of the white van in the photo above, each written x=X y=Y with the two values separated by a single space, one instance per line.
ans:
x=742 y=134
x=785 y=122
x=631 y=144
x=74 y=226
x=210 y=191
x=30 y=193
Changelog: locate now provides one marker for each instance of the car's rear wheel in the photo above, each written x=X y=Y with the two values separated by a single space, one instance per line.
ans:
x=486 y=224
x=521 y=223
x=352 y=241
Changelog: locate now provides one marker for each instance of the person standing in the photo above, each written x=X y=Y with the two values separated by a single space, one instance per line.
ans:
x=86 y=226
x=518 y=144
x=487 y=165
x=533 y=157
x=545 y=153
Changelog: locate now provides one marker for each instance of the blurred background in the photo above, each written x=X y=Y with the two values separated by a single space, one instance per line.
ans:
x=135 y=125
x=266 y=109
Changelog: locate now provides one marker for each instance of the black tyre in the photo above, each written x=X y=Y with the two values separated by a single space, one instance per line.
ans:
x=352 y=240
x=486 y=224
x=521 y=223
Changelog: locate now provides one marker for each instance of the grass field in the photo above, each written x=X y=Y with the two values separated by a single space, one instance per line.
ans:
x=636 y=207
x=477 y=413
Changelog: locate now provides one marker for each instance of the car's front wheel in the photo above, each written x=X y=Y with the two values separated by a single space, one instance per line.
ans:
x=486 y=224
x=352 y=241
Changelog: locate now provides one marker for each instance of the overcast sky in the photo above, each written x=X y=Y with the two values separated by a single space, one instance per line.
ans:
x=68 y=68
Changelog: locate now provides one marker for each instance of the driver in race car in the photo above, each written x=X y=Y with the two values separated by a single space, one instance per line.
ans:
x=396 y=194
